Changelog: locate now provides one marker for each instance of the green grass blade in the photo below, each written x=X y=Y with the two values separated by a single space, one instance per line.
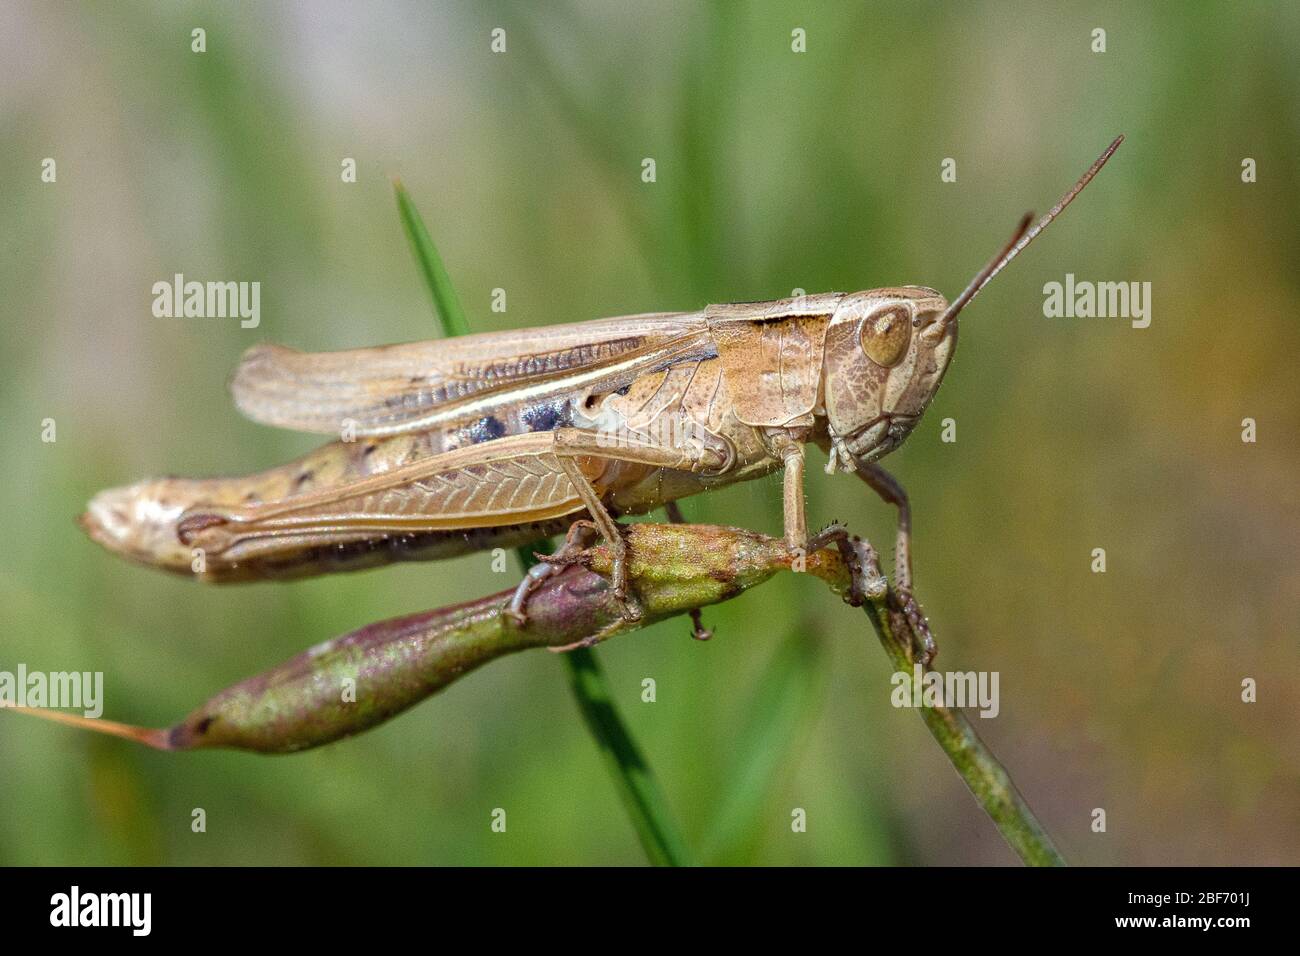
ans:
x=636 y=782
x=446 y=304
x=637 y=785
x=778 y=715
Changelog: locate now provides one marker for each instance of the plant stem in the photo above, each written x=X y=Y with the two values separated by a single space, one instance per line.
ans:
x=672 y=568
x=986 y=778
x=361 y=679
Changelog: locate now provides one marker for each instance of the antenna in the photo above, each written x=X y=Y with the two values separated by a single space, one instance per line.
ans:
x=1023 y=236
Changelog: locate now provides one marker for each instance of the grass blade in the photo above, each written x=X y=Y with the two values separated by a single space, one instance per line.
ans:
x=779 y=713
x=637 y=785
x=446 y=304
x=636 y=782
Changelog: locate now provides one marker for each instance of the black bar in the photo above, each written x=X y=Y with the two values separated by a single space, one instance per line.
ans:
x=334 y=906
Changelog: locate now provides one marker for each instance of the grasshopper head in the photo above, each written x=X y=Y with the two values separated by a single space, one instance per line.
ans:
x=886 y=352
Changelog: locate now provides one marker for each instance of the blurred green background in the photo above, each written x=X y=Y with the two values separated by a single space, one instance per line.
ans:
x=775 y=170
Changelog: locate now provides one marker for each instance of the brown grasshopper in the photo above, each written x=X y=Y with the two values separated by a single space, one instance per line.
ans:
x=499 y=439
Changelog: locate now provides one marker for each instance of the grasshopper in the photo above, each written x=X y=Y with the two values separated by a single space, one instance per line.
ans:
x=498 y=439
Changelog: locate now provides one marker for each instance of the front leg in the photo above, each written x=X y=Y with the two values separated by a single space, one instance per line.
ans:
x=888 y=488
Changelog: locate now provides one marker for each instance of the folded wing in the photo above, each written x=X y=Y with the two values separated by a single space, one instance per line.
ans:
x=504 y=482
x=383 y=390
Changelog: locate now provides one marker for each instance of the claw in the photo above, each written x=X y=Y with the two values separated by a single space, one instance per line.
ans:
x=574 y=551
x=698 y=630
x=532 y=580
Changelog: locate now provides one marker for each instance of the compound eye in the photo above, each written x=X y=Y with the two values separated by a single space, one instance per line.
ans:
x=885 y=335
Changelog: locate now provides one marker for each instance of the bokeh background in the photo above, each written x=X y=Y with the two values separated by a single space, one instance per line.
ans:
x=775 y=171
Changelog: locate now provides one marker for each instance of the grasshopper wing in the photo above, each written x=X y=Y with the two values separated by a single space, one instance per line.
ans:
x=387 y=389
x=503 y=482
